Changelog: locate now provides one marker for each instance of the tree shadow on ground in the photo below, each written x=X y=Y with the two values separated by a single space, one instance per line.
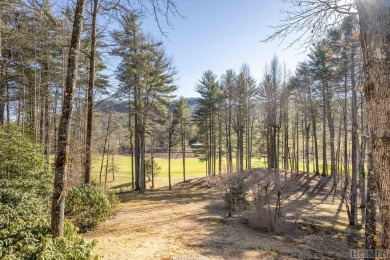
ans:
x=312 y=226
x=308 y=229
x=171 y=196
x=126 y=185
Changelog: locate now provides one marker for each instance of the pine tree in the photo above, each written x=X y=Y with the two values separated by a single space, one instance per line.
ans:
x=148 y=76
x=206 y=117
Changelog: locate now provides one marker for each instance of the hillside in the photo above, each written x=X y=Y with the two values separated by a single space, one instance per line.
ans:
x=123 y=106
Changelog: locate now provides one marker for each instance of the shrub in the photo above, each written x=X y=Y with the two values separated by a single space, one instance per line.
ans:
x=87 y=206
x=25 y=188
x=263 y=196
x=22 y=166
x=71 y=246
x=267 y=193
x=235 y=195
x=27 y=236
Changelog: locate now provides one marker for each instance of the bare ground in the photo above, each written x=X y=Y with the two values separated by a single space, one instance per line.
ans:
x=189 y=223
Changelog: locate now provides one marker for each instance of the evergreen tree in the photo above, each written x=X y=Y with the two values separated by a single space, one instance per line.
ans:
x=206 y=117
x=147 y=75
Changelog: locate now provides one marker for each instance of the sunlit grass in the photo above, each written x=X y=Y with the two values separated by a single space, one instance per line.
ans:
x=194 y=168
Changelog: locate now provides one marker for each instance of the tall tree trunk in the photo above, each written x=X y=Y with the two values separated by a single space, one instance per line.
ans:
x=241 y=148
x=91 y=83
x=208 y=147
x=330 y=119
x=214 y=149
x=207 y=151
x=104 y=146
x=370 y=224
x=227 y=141
x=332 y=147
x=183 y=151
x=307 y=135
x=46 y=117
x=131 y=130
x=137 y=119
x=247 y=138
x=354 y=144
x=142 y=161
x=346 y=163
x=137 y=149
x=303 y=144
x=58 y=200
x=229 y=138
x=55 y=125
x=338 y=150
x=7 y=100
x=285 y=123
x=219 y=141
x=294 y=150
x=362 y=156
x=324 y=114
x=251 y=127
x=374 y=18
x=106 y=170
x=297 y=143
x=2 y=94
x=169 y=159
x=132 y=165
x=152 y=160
x=18 y=112
x=113 y=165
x=285 y=148
x=277 y=181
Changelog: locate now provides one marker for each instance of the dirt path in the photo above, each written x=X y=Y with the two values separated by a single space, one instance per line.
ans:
x=190 y=224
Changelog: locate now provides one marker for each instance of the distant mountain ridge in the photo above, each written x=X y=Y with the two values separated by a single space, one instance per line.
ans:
x=123 y=106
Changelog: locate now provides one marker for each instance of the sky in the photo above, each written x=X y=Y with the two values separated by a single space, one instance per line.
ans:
x=220 y=35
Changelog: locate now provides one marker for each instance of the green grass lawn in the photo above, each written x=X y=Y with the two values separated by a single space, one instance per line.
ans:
x=194 y=168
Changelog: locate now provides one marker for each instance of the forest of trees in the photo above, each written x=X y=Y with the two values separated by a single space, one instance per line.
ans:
x=316 y=120
x=52 y=75
x=312 y=121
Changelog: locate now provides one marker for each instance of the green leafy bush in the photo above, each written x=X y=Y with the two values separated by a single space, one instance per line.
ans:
x=29 y=238
x=235 y=197
x=22 y=165
x=71 y=246
x=87 y=206
x=25 y=189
